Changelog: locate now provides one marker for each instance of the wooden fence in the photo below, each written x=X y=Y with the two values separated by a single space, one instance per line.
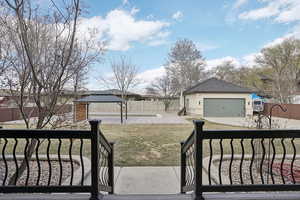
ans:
x=11 y=114
x=293 y=111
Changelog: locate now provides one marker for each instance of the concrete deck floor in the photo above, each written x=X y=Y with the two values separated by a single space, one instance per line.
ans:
x=216 y=196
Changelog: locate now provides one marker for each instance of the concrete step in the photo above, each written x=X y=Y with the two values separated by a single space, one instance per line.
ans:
x=149 y=197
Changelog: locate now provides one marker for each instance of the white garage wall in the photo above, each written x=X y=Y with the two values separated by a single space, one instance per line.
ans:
x=196 y=108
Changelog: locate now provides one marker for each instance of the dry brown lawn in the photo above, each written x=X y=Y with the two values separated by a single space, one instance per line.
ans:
x=144 y=144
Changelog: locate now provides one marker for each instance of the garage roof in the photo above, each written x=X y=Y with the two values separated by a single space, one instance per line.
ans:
x=214 y=85
x=100 y=99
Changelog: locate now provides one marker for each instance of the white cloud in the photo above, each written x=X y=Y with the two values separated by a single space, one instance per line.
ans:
x=295 y=33
x=134 y=10
x=282 y=11
x=210 y=64
x=249 y=60
x=177 y=16
x=120 y=29
x=239 y=3
x=148 y=76
x=124 y=2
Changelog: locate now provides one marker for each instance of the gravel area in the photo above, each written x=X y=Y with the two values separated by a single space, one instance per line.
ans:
x=256 y=172
x=55 y=172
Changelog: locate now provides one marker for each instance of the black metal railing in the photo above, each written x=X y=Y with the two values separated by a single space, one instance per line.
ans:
x=56 y=161
x=240 y=161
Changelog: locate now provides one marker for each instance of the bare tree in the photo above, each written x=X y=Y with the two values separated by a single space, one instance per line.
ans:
x=184 y=64
x=283 y=60
x=124 y=75
x=225 y=71
x=44 y=55
x=162 y=87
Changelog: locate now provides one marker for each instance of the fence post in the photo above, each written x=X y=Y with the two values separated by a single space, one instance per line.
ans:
x=111 y=168
x=198 y=124
x=95 y=193
x=182 y=169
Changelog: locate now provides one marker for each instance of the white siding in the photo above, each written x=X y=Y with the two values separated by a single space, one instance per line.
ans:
x=196 y=101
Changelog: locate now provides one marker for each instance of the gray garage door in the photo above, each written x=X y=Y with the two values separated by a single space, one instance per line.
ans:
x=224 y=107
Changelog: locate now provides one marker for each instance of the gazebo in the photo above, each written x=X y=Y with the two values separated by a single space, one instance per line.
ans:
x=81 y=106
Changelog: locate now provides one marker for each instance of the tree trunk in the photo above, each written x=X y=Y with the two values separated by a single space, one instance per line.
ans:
x=23 y=165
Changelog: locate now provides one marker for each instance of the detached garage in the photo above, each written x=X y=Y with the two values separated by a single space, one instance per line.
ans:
x=218 y=98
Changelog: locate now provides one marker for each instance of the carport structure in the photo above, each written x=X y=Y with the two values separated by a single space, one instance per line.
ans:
x=81 y=106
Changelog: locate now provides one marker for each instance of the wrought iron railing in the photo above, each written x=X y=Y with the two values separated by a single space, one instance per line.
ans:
x=56 y=161
x=240 y=161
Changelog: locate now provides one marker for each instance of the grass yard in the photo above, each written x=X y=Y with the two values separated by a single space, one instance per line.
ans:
x=140 y=144
x=151 y=145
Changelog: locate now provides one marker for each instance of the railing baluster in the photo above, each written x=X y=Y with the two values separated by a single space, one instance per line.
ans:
x=102 y=166
x=252 y=160
x=49 y=161
x=182 y=168
x=39 y=175
x=81 y=162
x=241 y=163
x=16 y=161
x=111 y=168
x=59 y=161
x=38 y=161
x=106 y=170
x=5 y=162
x=193 y=163
x=272 y=161
x=262 y=161
x=293 y=160
x=190 y=170
x=210 y=160
x=220 y=163
x=282 y=161
x=71 y=161
x=231 y=161
x=26 y=160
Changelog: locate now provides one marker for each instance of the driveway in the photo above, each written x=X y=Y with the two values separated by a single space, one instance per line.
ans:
x=277 y=122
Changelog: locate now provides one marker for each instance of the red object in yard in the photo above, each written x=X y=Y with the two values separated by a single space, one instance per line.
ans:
x=287 y=171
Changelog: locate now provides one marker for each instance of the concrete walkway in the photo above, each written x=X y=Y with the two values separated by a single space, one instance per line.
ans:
x=147 y=180
x=161 y=118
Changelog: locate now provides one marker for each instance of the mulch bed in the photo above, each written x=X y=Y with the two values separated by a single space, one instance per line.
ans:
x=33 y=172
x=266 y=174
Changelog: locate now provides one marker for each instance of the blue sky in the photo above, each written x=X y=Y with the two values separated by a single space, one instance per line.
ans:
x=145 y=30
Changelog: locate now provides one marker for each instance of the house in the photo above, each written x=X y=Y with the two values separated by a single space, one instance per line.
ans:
x=114 y=92
x=218 y=98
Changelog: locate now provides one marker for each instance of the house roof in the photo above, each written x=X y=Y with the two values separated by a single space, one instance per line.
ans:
x=214 y=85
x=100 y=99
x=108 y=92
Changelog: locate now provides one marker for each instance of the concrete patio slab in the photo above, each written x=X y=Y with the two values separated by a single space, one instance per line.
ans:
x=117 y=170
x=147 y=180
x=204 y=175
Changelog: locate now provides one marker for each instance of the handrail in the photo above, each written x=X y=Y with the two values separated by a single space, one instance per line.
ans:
x=244 y=148
x=188 y=142
x=229 y=134
x=29 y=145
x=107 y=145
x=53 y=134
